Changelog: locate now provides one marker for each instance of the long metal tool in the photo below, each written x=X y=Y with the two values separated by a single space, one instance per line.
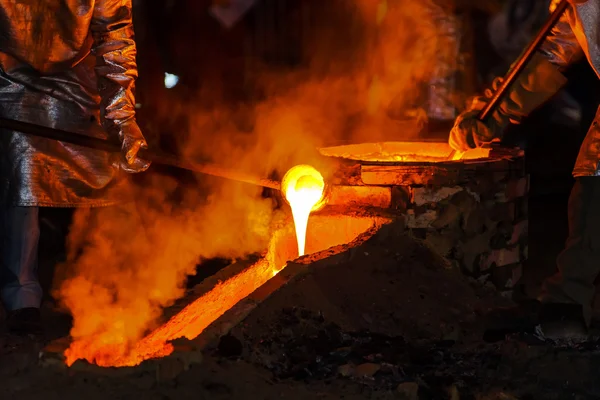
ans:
x=517 y=68
x=154 y=157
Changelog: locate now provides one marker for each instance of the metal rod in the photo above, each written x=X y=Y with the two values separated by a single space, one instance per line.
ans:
x=522 y=61
x=155 y=157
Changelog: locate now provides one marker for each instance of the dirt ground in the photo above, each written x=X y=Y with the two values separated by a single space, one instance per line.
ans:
x=388 y=320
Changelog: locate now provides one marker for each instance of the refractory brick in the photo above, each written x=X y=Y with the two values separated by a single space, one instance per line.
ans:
x=474 y=213
x=500 y=258
x=429 y=195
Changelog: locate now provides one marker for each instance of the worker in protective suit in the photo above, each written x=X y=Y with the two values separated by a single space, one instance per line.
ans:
x=71 y=65
x=564 y=306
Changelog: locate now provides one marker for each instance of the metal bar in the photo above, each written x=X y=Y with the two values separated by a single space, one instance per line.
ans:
x=155 y=157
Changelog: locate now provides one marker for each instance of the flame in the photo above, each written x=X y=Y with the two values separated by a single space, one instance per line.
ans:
x=303 y=187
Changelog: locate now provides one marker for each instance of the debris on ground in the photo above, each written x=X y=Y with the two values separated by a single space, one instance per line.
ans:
x=390 y=319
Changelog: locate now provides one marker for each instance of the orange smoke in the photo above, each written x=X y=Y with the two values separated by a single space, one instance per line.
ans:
x=127 y=263
x=368 y=66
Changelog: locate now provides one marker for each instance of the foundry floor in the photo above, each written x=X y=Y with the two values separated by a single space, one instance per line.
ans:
x=403 y=293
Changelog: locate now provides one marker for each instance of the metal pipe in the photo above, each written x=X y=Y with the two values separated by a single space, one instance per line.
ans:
x=154 y=157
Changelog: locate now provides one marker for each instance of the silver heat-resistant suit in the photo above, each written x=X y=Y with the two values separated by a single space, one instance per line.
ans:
x=67 y=64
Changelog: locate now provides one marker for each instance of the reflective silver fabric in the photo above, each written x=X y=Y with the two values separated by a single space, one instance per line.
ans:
x=68 y=64
x=442 y=85
x=576 y=35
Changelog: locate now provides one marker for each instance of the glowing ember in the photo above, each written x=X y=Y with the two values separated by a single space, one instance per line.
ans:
x=303 y=187
x=458 y=155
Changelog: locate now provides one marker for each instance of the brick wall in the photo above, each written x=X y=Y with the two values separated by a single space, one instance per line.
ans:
x=473 y=214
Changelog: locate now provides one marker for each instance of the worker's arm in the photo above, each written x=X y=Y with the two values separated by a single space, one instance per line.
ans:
x=116 y=69
x=541 y=79
x=561 y=47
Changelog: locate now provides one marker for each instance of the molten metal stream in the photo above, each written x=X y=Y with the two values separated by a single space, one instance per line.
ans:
x=303 y=187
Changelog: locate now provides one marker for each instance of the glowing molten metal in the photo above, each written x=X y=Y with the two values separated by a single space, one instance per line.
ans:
x=303 y=187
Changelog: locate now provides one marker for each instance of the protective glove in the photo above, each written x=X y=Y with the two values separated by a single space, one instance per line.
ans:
x=132 y=141
x=469 y=132
x=537 y=83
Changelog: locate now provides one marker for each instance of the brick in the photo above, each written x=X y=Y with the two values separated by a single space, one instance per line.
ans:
x=371 y=196
x=522 y=208
x=515 y=188
x=464 y=200
x=427 y=195
x=449 y=216
x=506 y=277
x=474 y=221
x=397 y=175
x=473 y=249
x=346 y=175
x=500 y=258
x=501 y=212
x=423 y=220
x=520 y=232
x=499 y=241
x=401 y=197
x=474 y=194
x=517 y=275
x=499 y=176
x=502 y=235
x=485 y=185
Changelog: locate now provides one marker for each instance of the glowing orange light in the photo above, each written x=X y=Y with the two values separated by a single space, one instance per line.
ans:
x=303 y=187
